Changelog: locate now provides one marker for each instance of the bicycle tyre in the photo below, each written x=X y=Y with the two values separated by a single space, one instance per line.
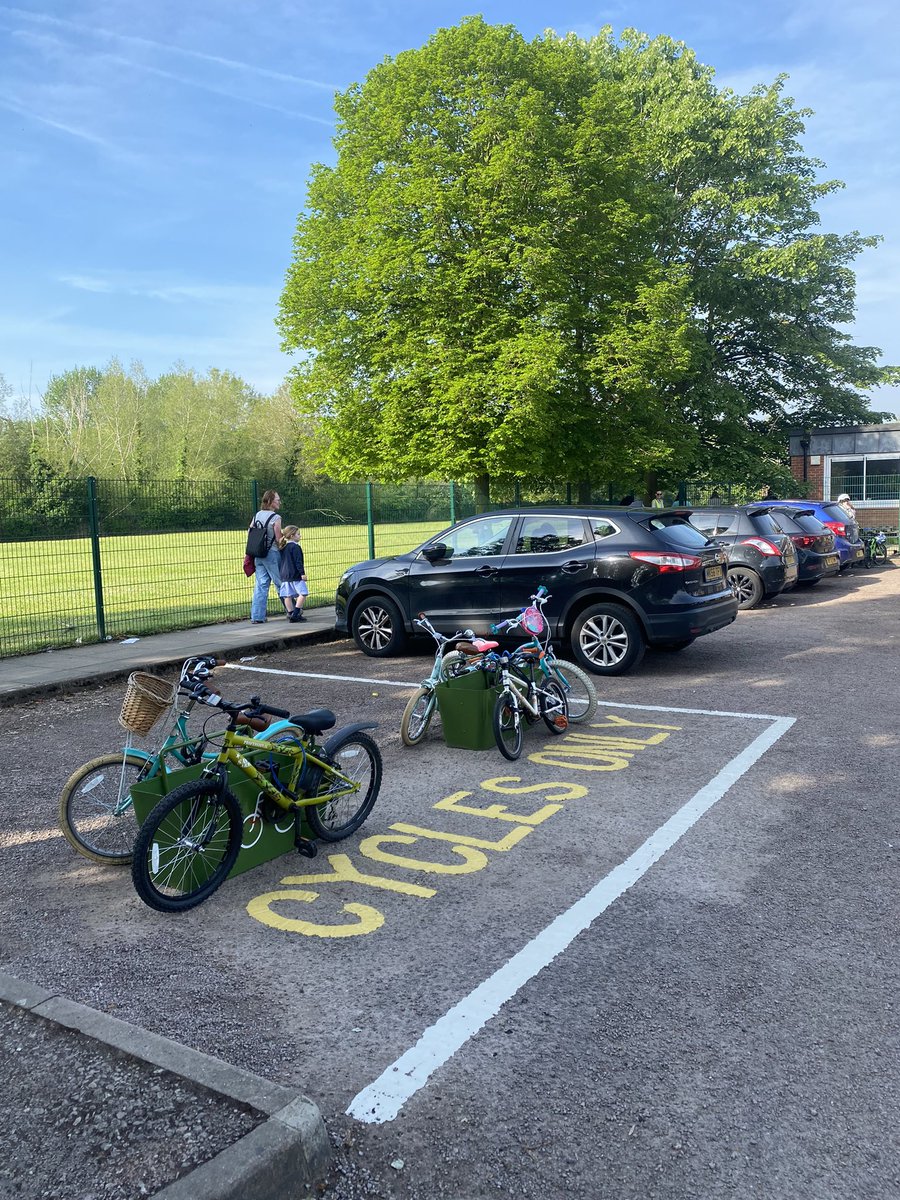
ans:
x=179 y=881
x=581 y=694
x=417 y=716
x=454 y=663
x=879 y=554
x=84 y=801
x=554 y=708
x=367 y=770
x=507 y=726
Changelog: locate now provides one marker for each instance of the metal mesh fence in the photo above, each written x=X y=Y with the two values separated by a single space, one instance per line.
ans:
x=92 y=559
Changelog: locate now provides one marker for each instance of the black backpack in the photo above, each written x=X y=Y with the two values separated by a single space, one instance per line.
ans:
x=258 y=543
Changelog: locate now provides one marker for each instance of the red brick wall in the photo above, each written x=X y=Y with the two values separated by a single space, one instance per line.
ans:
x=814 y=476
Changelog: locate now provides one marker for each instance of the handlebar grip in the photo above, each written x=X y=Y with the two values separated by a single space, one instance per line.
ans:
x=257 y=723
x=273 y=712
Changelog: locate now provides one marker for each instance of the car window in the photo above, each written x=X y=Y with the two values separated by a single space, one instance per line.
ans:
x=544 y=535
x=482 y=538
x=602 y=528
x=809 y=524
x=677 y=532
x=706 y=522
x=834 y=512
x=764 y=523
x=787 y=522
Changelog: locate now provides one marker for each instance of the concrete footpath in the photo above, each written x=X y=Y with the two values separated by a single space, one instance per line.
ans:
x=146 y=1115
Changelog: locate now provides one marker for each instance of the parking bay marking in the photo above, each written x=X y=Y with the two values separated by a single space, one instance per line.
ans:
x=383 y=1099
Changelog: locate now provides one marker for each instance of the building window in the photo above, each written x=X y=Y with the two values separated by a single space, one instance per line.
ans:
x=867 y=478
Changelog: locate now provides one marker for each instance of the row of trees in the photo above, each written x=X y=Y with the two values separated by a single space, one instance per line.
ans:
x=568 y=258
x=117 y=423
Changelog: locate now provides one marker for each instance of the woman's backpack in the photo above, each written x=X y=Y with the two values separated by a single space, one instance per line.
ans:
x=258 y=543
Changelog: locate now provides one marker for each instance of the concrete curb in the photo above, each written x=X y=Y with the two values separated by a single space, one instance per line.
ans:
x=283 y=1153
x=65 y=670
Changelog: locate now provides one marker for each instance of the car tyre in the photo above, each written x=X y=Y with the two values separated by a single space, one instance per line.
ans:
x=747 y=586
x=378 y=627
x=607 y=640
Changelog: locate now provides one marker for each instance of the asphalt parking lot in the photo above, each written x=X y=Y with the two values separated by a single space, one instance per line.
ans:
x=656 y=957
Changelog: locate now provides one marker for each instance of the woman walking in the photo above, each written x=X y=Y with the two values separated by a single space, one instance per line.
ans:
x=268 y=563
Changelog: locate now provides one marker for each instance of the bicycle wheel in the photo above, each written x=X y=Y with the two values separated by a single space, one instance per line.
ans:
x=581 y=694
x=554 y=710
x=340 y=811
x=187 y=845
x=95 y=813
x=879 y=553
x=454 y=663
x=507 y=726
x=417 y=716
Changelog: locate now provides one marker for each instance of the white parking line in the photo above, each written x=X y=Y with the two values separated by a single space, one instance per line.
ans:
x=316 y=675
x=383 y=1099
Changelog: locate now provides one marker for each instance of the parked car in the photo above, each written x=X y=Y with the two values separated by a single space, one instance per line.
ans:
x=817 y=556
x=847 y=541
x=762 y=561
x=619 y=580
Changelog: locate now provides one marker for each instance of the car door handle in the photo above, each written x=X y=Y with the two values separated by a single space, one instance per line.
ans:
x=485 y=570
x=571 y=567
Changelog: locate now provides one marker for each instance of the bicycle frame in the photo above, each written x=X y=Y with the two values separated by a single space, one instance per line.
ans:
x=230 y=755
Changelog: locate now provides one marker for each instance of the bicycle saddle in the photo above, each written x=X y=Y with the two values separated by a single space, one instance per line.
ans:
x=476 y=646
x=317 y=720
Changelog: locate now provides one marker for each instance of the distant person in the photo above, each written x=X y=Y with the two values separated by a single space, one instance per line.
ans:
x=844 y=501
x=627 y=500
x=714 y=497
x=658 y=501
x=268 y=563
x=294 y=589
x=768 y=494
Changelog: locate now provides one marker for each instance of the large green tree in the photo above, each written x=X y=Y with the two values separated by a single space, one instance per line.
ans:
x=567 y=257
x=474 y=283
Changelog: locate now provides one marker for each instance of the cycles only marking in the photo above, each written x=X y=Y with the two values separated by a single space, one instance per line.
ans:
x=402 y=846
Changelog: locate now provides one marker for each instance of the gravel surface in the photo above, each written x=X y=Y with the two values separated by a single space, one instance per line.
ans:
x=78 y=1121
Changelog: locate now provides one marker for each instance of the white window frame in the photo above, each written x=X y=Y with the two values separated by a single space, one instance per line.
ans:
x=887 y=502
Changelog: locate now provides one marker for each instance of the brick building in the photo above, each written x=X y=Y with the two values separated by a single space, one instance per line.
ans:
x=863 y=461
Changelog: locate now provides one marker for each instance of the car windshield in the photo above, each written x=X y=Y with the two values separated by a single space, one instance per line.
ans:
x=834 y=512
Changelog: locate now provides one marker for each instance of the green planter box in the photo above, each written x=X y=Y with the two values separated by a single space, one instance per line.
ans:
x=466 y=705
x=262 y=839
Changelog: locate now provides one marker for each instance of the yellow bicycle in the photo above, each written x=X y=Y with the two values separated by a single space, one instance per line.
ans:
x=189 y=842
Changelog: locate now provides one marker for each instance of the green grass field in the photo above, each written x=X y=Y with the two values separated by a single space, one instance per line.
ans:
x=167 y=581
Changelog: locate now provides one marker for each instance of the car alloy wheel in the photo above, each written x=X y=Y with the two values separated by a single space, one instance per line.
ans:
x=378 y=628
x=746 y=586
x=607 y=640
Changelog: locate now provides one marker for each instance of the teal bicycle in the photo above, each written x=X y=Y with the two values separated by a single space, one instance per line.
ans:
x=96 y=814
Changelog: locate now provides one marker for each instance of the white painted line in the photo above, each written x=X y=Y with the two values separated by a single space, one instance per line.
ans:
x=382 y=1100
x=315 y=675
x=699 y=712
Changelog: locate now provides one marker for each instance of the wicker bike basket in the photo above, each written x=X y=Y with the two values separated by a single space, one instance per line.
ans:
x=146 y=699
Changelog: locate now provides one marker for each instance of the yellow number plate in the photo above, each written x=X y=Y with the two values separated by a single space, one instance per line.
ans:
x=713 y=573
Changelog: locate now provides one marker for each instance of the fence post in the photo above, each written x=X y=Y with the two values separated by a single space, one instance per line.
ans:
x=568 y=493
x=452 y=502
x=94 y=525
x=370 y=520
x=254 y=495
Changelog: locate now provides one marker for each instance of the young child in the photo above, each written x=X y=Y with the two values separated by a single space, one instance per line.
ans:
x=293 y=590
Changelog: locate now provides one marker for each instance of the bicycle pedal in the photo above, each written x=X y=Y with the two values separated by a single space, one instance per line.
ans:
x=305 y=847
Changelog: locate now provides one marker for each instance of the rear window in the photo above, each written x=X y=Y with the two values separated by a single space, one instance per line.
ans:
x=676 y=532
x=764 y=523
x=788 y=522
x=834 y=512
x=808 y=524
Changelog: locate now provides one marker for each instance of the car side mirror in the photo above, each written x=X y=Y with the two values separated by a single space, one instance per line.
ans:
x=435 y=552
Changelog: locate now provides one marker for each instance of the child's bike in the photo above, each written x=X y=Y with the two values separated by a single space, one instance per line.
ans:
x=95 y=810
x=875 y=545
x=420 y=707
x=189 y=842
x=580 y=693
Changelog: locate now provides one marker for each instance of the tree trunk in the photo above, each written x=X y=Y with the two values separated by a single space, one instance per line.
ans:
x=650 y=486
x=482 y=492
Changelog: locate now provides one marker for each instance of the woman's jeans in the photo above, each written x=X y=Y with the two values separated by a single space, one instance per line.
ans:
x=267 y=572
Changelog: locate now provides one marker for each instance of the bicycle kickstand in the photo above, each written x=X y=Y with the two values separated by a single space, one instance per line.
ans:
x=304 y=845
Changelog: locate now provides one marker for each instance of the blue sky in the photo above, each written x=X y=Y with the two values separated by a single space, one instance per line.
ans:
x=154 y=157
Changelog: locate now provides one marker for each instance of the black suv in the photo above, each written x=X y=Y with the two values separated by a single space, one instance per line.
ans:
x=762 y=560
x=620 y=579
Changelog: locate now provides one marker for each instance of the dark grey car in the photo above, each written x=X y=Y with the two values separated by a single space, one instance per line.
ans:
x=762 y=560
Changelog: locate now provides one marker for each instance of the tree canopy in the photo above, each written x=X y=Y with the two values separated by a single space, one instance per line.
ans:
x=567 y=258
